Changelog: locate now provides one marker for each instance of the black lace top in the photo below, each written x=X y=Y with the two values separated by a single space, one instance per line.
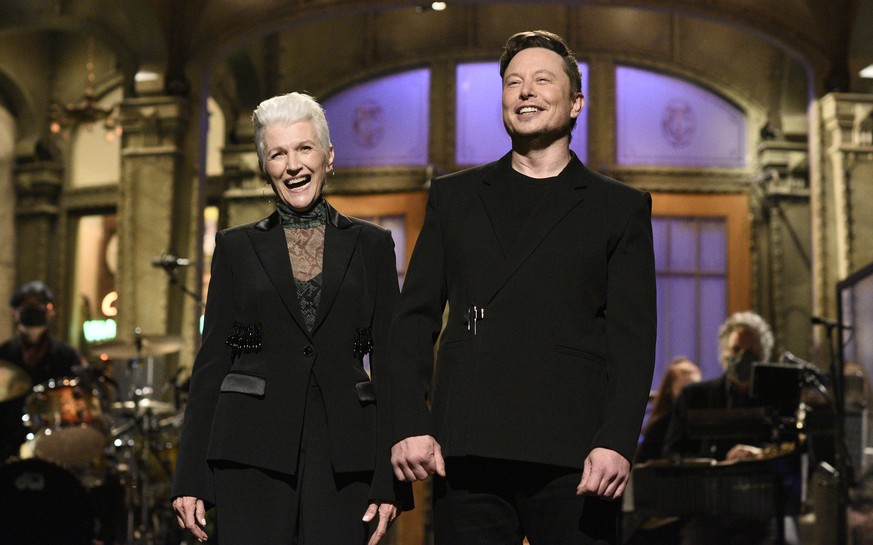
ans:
x=304 y=235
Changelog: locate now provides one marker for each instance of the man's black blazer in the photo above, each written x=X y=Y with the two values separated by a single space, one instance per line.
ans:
x=562 y=361
x=247 y=407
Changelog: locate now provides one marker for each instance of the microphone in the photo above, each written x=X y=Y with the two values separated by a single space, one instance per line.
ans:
x=818 y=320
x=170 y=262
x=788 y=357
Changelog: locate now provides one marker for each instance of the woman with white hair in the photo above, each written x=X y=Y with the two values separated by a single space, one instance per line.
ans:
x=282 y=430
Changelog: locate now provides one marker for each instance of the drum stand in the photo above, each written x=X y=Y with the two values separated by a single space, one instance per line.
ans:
x=149 y=518
x=148 y=515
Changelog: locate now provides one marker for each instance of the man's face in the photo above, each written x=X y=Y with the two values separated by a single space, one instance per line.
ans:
x=537 y=100
x=33 y=314
x=743 y=347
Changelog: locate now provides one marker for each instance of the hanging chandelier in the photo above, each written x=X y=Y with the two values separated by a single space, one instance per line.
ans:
x=87 y=112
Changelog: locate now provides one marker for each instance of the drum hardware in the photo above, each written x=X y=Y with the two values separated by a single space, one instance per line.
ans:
x=140 y=346
x=129 y=445
x=147 y=463
x=14 y=381
x=146 y=451
x=143 y=405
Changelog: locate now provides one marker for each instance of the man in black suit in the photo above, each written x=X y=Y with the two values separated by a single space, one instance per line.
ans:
x=547 y=354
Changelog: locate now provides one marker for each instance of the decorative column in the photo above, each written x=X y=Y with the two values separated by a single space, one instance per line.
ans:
x=842 y=227
x=247 y=197
x=156 y=195
x=780 y=203
x=7 y=212
x=37 y=189
x=842 y=222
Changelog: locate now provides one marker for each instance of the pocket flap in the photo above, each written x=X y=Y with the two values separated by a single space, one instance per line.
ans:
x=244 y=384
x=366 y=392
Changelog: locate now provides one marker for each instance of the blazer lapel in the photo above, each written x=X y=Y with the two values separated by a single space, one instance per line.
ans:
x=491 y=192
x=340 y=239
x=557 y=202
x=268 y=241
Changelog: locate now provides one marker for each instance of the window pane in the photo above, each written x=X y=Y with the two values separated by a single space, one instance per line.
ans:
x=382 y=122
x=713 y=245
x=692 y=292
x=682 y=333
x=683 y=244
x=713 y=311
x=662 y=120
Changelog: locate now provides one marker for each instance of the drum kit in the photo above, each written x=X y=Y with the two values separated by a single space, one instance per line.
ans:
x=111 y=432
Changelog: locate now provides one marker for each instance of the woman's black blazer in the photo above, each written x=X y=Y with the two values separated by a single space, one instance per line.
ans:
x=246 y=405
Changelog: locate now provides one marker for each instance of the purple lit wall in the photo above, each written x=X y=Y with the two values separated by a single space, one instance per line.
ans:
x=666 y=121
x=382 y=122
x=480 y=136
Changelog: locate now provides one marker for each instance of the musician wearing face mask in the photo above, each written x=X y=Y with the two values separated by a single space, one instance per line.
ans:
x=744 y=339
x=34 y=350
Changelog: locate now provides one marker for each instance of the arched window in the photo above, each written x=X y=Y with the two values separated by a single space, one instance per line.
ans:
x=661 y=120
x=382 y=122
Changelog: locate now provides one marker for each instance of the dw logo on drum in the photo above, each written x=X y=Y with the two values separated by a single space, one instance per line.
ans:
x=30 y=481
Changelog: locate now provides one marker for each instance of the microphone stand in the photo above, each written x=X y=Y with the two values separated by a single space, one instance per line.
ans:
x=173 y=277
x=840 y=448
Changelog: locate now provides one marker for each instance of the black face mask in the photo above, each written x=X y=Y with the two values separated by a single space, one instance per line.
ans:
x=740 y=365
x=33 y=316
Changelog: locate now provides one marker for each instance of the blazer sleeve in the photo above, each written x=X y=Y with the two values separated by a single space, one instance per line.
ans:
x=415 y=329
x=193 y=477
x=631 y=330
x=385 y=487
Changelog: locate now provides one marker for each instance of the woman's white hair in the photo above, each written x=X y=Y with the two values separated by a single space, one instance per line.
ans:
x=753 y=322
x=288 y=109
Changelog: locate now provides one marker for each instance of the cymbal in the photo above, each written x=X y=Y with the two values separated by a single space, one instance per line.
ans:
x=143 y=346
x=143 y=405
x=14 y=381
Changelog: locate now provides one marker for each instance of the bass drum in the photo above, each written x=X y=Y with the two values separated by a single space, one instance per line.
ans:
x=68 y=420
x=42 y=503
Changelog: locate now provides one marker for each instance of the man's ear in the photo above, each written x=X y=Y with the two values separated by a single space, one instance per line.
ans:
x=577 y=103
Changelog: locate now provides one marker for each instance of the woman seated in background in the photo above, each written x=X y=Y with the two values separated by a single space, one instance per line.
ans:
x=680 y=371
x=660 y=530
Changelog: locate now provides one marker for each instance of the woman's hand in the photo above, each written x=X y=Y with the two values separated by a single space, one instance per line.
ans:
x=387 y=513
x=191 y=514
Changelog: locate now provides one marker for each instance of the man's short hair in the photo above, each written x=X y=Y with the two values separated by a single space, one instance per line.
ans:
x=37 y=288
x=547 y=40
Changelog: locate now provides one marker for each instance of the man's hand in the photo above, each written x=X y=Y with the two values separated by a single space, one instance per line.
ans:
x=191 y=514
x=416 y=458
x=744 y=452
x=604 y=474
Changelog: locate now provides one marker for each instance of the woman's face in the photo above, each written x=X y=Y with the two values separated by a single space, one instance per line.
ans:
x=296 y=163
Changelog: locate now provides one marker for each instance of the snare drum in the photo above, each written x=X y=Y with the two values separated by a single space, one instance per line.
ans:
x=68 y=420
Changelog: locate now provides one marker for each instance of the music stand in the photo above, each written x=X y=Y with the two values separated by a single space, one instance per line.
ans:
x=778 y=385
